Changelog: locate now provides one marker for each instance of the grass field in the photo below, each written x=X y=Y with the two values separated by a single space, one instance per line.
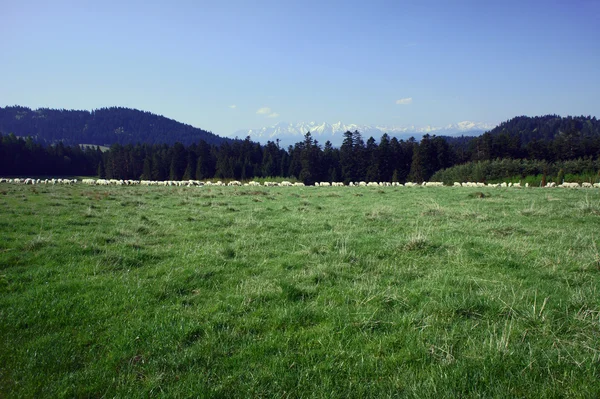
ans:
x=299 y=292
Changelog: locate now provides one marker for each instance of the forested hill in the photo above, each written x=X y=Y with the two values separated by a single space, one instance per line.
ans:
x=547 y=127
x=103 y=126
x=548 y=137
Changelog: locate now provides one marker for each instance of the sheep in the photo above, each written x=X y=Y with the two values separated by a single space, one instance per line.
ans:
x=586 y=185
x=325 y=184
x=569 y=185
x=597 y=185
x=234 y=183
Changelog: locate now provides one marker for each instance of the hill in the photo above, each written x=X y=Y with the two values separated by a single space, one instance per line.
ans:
x=548 y=137
x=103 y=126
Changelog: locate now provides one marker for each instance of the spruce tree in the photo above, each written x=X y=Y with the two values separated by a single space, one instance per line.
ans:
x=100 y=170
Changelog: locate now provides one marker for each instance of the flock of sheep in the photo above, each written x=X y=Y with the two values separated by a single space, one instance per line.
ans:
x=190 y=183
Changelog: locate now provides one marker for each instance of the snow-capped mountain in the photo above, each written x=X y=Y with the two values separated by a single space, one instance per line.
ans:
x=291 y=133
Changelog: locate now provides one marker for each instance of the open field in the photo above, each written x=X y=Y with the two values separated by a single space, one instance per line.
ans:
x=299 y=292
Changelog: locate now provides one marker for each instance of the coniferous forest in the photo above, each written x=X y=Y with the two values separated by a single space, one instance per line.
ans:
x=523 y=146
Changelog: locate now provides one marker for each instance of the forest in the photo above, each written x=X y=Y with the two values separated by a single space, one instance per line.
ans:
x=104 y=126
x=519 y=147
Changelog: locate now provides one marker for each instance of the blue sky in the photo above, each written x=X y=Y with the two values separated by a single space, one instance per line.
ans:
x=228 y=65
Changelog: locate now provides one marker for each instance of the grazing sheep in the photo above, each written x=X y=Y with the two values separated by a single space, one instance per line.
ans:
x=569 y=185
x=586 y=185
x=234 y=183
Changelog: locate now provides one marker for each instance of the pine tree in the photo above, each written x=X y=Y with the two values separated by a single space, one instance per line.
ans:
x=100 y=171
x=560 y=179
x=147 y=169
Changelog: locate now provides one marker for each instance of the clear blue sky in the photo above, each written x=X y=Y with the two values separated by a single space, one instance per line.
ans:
x=227 y=65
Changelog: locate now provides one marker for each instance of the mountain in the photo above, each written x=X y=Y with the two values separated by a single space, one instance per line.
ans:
x=103 y=126
x=290 y=133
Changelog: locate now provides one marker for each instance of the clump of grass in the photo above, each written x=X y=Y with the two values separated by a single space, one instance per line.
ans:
x=89 y=213
x=294 y=293
x=37 y=242
x=380 y=212
x=531 y=210
x=228 y=252
x=417 y=242
x=433 y=209
x=588 y=206
x=505 y=231
x=143 y=230
x=479 y=194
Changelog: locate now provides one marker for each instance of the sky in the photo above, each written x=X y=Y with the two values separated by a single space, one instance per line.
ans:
x=229 y=64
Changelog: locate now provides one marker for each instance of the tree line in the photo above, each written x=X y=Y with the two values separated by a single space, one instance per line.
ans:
x=388 y=159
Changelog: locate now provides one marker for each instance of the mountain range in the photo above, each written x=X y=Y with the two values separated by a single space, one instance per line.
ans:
x=290 y=133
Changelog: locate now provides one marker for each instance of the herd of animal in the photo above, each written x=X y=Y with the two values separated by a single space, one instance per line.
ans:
x=198 y=183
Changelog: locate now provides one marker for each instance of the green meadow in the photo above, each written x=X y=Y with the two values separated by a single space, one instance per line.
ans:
x=329 y=292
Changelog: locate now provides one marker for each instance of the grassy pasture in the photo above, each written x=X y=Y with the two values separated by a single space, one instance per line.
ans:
x=299 y=292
